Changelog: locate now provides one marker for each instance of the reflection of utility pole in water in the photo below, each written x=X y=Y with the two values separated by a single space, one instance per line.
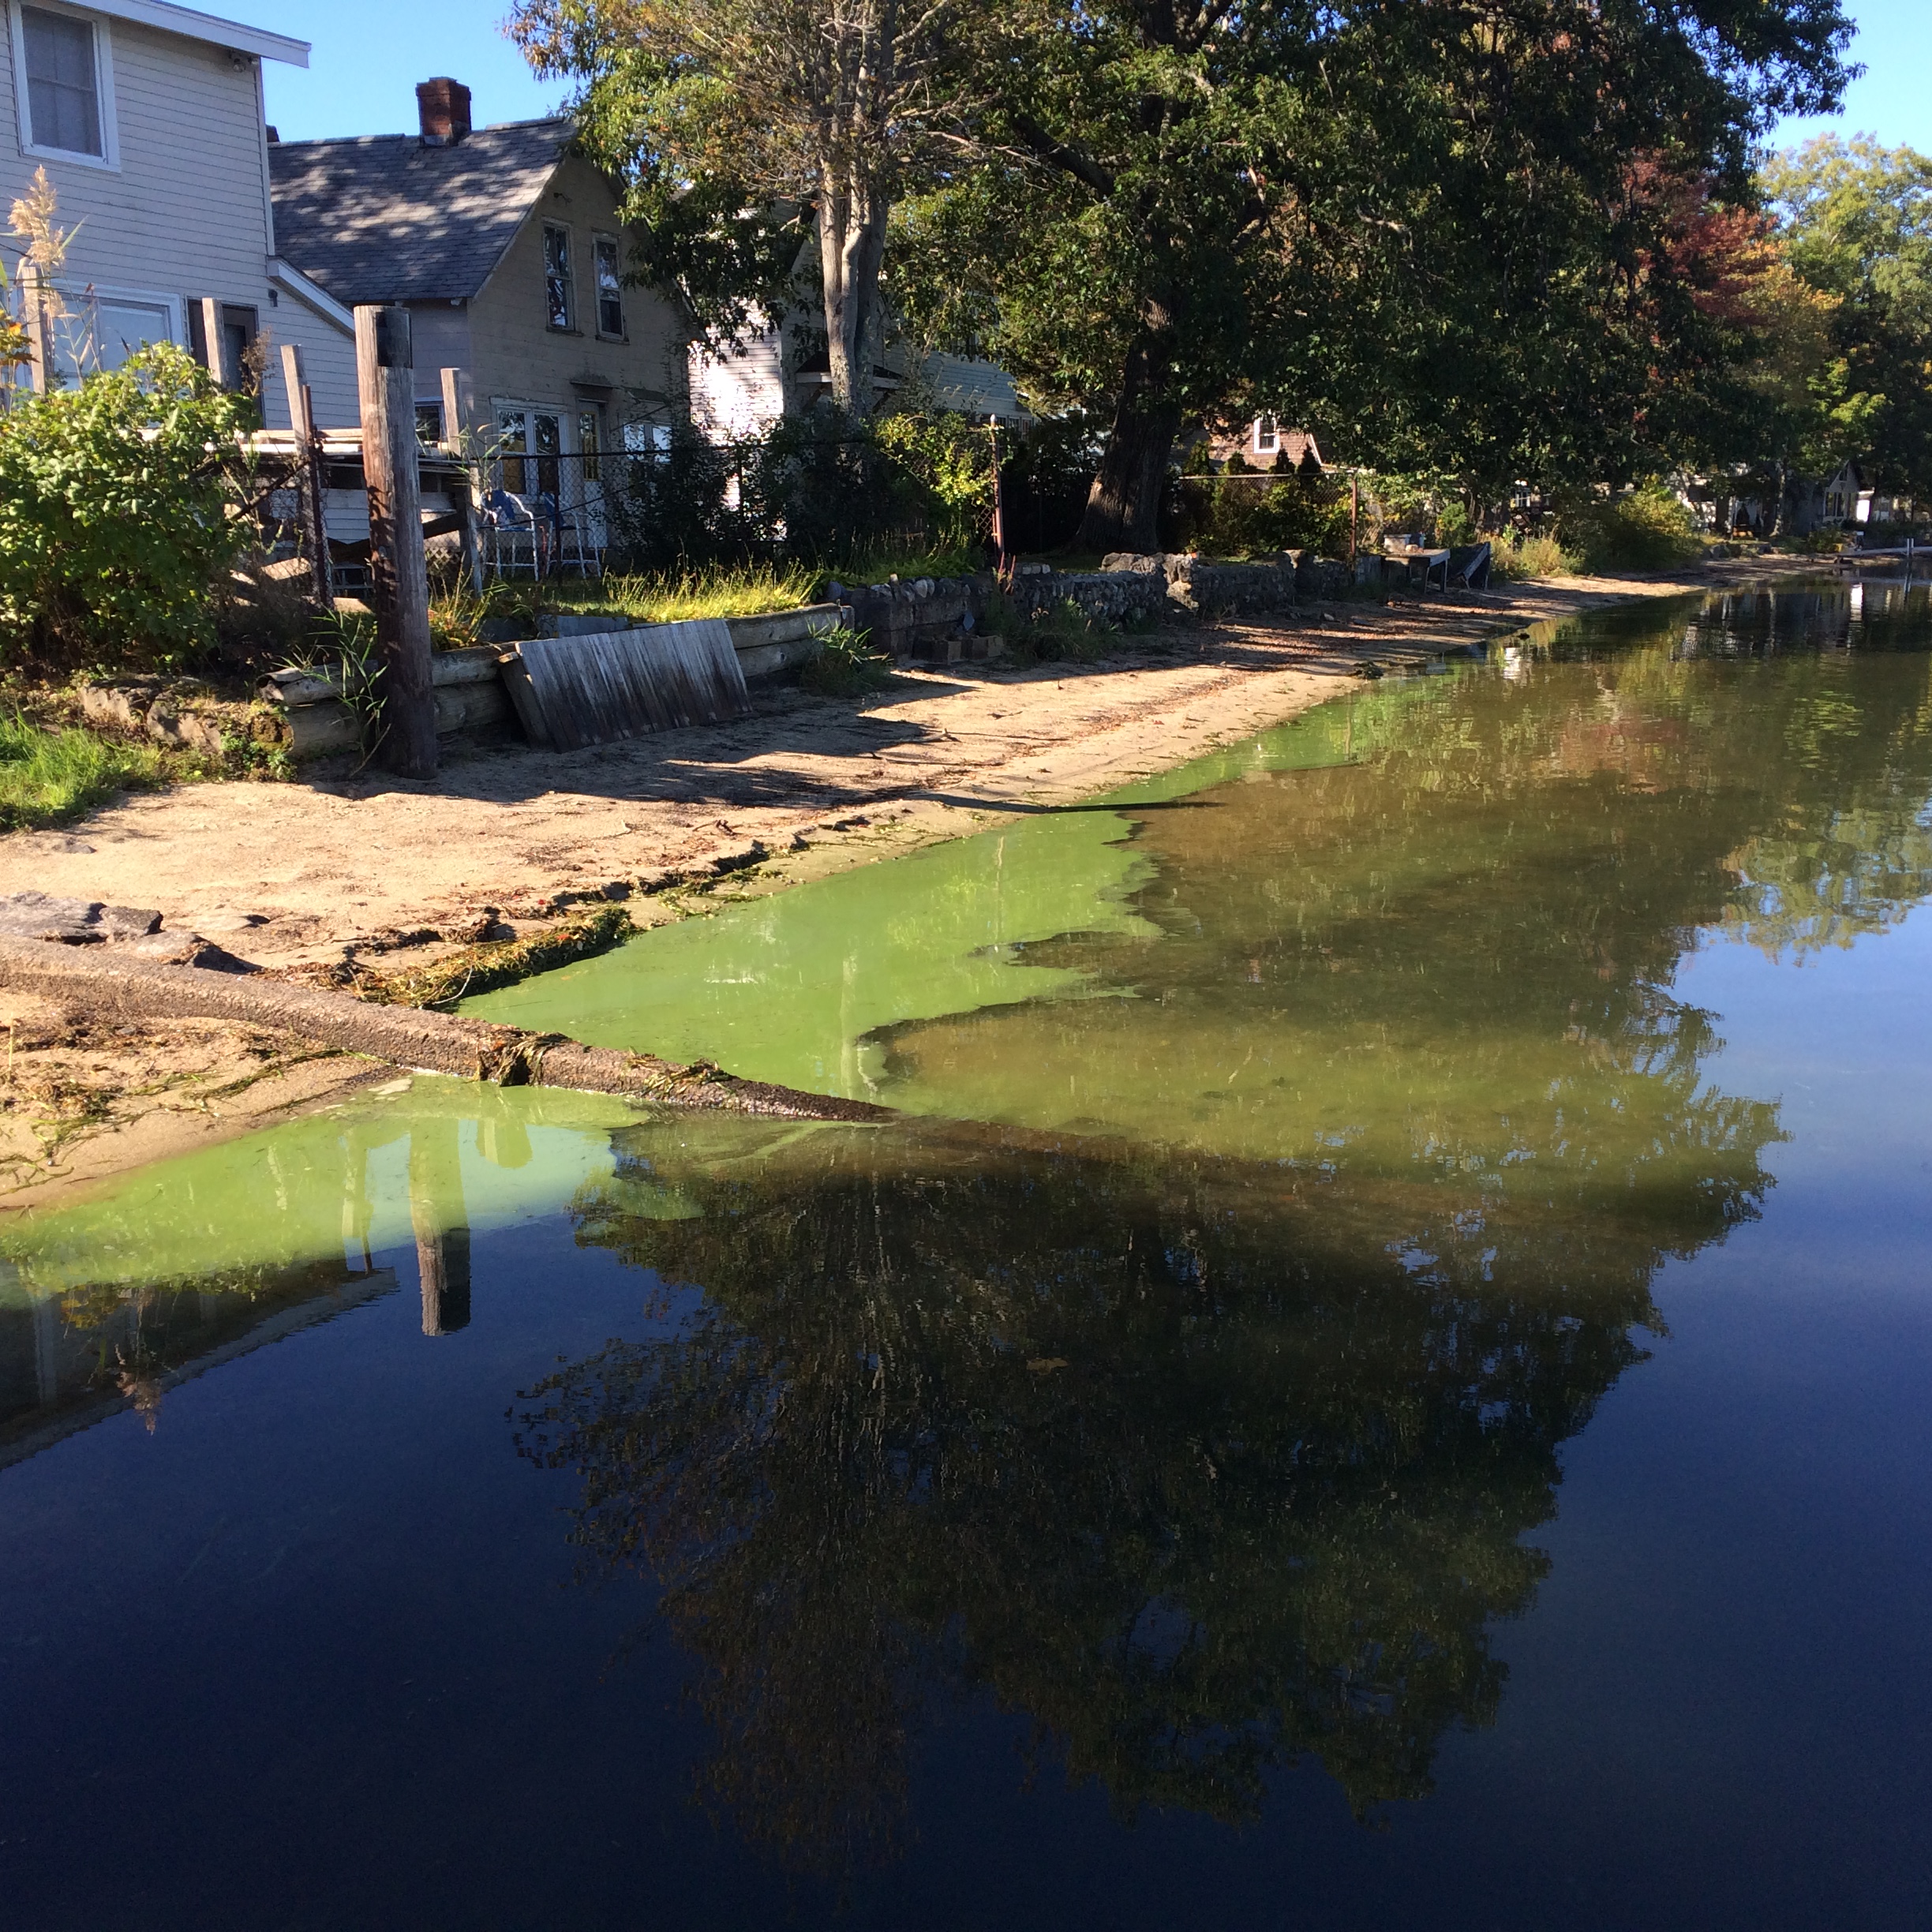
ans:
x=849 y=1047
x=437 y=1214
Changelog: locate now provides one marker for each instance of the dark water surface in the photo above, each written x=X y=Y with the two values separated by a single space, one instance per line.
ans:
x=1389 y=1382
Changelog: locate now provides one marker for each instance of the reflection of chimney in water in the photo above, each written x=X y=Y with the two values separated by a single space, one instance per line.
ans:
x=441 y=1221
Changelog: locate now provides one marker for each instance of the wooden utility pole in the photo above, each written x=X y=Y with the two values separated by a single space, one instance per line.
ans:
x=458 y=420
x=399 y=571
x=311 y=484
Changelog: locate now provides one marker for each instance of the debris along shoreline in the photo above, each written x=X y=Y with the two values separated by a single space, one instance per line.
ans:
x=106 y=980
x=517 y=861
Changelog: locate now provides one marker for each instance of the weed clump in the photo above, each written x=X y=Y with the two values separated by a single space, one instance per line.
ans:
x=846 y=666
x=49 y=776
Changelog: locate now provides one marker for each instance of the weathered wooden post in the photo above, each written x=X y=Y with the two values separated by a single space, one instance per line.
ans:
x=36 y=308
x=399 y=571
x=309 y=489
x=221 y=358
x=458 y=416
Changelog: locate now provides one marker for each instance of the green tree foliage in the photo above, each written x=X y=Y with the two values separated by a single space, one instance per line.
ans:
x=116 y=534
x=1758 y=380
x=1856 y=219
x=712 y=107
x=1426 y=227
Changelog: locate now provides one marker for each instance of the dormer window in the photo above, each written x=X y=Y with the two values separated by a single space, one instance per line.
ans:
x=63 y=93
x=559 y=306
x=1267 y=437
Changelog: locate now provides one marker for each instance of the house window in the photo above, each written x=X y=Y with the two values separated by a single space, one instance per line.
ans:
x=1267 y=437
x=589 y=444
x=62 y=61
x=557 y=304
x=529 y=442
x=99 y=328
x=429 y=424
x=609 y=286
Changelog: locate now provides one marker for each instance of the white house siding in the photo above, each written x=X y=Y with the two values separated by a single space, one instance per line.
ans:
x=185 y=214
x=737 y=392
x=516 y=356
x=328 y=359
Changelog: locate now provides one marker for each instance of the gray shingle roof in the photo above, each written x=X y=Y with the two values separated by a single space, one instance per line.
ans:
x=383 y=218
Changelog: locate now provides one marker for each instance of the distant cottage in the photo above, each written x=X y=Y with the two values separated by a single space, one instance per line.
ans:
x=1262 y=443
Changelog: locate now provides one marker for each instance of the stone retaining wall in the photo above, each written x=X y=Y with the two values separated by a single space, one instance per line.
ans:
x=940 y=617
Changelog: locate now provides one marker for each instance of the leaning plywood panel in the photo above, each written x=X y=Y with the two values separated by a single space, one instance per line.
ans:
x=573 y=691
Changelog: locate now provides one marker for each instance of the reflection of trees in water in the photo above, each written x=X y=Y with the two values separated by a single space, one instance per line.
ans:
x=1458 y=950
x=1817 y=761
x=1188 y=1460
x=1206 y=1460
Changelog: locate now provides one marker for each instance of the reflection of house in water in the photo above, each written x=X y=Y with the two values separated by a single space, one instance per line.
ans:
x=69 y=1361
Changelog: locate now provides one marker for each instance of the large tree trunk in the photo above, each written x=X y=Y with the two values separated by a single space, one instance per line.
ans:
x=852 y=246
x=1123 y=507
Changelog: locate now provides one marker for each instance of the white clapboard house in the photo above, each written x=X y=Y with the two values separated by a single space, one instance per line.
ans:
x=148 y=119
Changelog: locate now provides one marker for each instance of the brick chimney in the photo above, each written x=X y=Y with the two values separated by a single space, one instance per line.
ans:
x=443 y=106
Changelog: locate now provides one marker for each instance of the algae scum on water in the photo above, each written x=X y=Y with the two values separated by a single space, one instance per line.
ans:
x=1111 y=1485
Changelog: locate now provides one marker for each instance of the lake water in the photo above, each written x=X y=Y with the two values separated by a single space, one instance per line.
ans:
x=1387 y=1380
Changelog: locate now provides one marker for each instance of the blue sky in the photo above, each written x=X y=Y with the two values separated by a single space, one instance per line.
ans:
x=370 y=53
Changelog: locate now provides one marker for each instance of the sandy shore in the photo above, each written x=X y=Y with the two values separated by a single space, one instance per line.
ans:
x=306 y=876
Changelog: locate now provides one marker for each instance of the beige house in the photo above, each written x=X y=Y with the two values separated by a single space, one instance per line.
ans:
x=148 y=119
x=509 y=251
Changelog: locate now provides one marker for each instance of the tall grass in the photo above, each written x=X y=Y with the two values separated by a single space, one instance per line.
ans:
x=1513 y=555
x=742 y=591
x=48 y=777
x=911 y=558
x=457 y=616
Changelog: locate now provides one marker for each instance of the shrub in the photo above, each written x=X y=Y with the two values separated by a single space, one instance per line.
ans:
x=1514 y=555
x=1646 y=529
x=823 y=484
x=116 y=537
x=668 y=507
x=1222 y=517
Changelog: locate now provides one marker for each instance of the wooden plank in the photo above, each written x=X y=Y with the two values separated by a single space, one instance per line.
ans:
x=310 y=491
x=221 y=362
x=458 y=422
